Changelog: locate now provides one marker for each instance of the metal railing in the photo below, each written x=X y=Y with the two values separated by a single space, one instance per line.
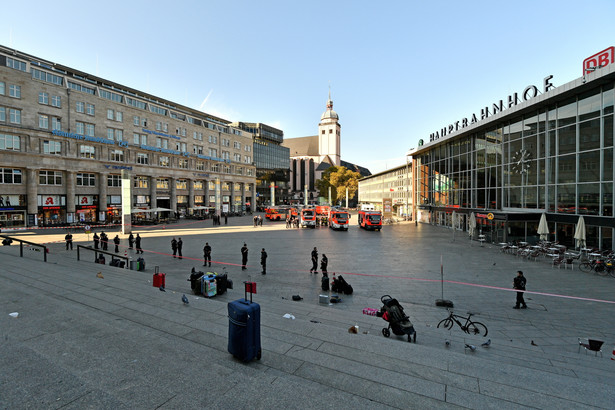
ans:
x=97 y=251
x=21 y=242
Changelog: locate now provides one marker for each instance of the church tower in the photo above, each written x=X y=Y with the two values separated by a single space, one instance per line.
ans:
x=329 y=134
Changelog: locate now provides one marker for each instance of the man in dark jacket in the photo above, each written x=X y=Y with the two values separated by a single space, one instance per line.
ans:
x=519 y=283
x=244 y=256
x=323 y=264
x=174 y=247
x=69 y=241
x=138 y=244
x=104 y=240
x=180 y=244
x=264 y=261
x=116 y=241
x=207 y=254
x=314 y=261
x=131 y=241
x=96 y=240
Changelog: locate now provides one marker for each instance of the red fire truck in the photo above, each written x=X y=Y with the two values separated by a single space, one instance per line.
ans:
x=371 y=220
x=308 y=218
x=339 y=220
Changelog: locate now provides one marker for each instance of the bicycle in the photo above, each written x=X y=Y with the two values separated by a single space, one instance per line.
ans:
x=596 y=265
x=470 y=327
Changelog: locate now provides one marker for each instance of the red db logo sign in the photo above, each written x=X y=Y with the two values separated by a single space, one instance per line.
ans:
x=598 y=60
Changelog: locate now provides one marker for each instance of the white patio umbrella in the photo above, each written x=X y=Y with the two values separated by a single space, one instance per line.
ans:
x=543 y=228
x=472 y=225
x=579 y=233
x=147 y=211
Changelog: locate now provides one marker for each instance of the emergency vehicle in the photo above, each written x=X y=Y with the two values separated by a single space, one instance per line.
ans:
x=339 y=220
x=308 y=218
x=276 y=213
x=370 y=220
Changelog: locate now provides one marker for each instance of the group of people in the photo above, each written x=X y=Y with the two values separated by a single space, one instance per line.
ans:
x=216 y=219
x=244 y=257
x=176 y=247
x=103 y=241
x=292 y=221
x=324 y=262
x=258 y=220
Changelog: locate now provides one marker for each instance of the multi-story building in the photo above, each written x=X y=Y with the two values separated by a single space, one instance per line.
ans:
x=272 y=162
x=546 y=150
x=66 y=136
x=389 y=191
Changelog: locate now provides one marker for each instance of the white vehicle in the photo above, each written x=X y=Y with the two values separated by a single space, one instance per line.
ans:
x=368 y=207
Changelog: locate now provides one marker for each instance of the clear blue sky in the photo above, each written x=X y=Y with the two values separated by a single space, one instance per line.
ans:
x=398 y=70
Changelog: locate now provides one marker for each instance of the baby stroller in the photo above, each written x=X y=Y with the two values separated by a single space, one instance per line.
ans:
x=399 y=323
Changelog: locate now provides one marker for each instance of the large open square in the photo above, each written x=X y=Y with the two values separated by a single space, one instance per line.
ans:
x=117 y=342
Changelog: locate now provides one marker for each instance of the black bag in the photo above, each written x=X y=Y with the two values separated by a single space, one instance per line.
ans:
x=195 y=281
x=343 y=286
x=114 y=262
x=141 y=263
x=325 y=283
x=222 y=284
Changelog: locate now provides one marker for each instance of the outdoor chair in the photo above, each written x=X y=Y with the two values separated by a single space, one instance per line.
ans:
x=591 y=345
x=558 y=261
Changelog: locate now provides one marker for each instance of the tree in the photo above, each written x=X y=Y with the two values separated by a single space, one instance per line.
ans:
x=338 y=178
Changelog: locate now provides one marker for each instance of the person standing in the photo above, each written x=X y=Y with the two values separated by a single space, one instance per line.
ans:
x=96 y=240
x=69 y=241
x=116 y=241
x=180 y=244
x=260 y=220
x=264 y=261
x=225 y=219
x=244 y=256
x=255 y=220
x=174 y=247
x=207 y=254
x=324 y=261
x=519 y=283
x=104 y=240
x=138 y=244
x=288 y=221
x=314 y=261
x=131 y=240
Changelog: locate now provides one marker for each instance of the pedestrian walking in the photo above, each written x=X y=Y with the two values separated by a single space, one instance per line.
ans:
x=244 y=256
x=264 y=261
x=131 y=240
x=69 y=241
x=519 y=283
x=207 y=254
x=324 y=261
x=174 y=247
x=138 y=244
x=314 y=261
x=287 y=221
x=255 y=220
x=260 y=220
x=225 y=219
x=180 y=244
x=116 y=241
x=104 y=239
x=96 y=240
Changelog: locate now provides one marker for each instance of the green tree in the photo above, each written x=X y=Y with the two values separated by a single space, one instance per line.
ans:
x=338 y=178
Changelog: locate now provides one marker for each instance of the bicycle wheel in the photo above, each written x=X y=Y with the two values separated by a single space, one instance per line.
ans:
x=446 y=323
x=611 y=272
x=600 y=269
x=476 y=328
x=585 y=267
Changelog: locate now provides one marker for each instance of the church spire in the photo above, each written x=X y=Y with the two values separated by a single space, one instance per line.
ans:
x=329 y=101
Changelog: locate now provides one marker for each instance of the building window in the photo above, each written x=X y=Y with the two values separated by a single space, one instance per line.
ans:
x=248 y=148
x=180 y=146
x=109 y=114
x=116 y=155
x=227 y=169
x=110 y=133
x=249 y=172
x=14 y=116
x=197 y=149
x=86 y=179
x=164 y=161
x=56 y=124
x=142 y=159
x=213 y=152
x=215 y=168
x=15 y=91
x=239 y=170
x=330 y=131
x=200 y=166
x=162 y=183
x=16 y=64
x=79 y=128
x=119 y=116
x=90 y=109
x=237 y=157
x=181 y=184
x=162 y=143
x=43 y=122
x=213 y=139
x=198 y=185
x=87 y=151
x=158 y=126
x=183 y=163
x=2 y=88
x=2 y=114
x=10 y=142
x=114 y=180
x=52 y=147
x=135 y=121
x=56 y=101
x=10 y=176
x=43 y=98
x=48 y=77
x=141 y=182
x=80 y=107
x=89 y=130
x=323 y=132
x=226 y=155
x=50 y=177
x=247 y=159
x=237 y=145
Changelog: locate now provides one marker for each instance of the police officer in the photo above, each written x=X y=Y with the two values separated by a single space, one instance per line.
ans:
x=519 y=283
x=314 y=261
x=264 y=261
x=207 y=254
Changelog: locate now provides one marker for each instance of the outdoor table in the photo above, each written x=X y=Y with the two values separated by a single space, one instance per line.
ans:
x=536 y=246
x=553 y=255
x=523 y=243
x=595 y=254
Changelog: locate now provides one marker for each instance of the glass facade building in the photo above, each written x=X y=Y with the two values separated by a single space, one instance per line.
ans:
x=551 y=154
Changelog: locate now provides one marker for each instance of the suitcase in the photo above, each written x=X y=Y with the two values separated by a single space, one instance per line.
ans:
x=195 y=282
x=141 y=264
x=208 y=286
x=159 y=279
x=324 y=285
x=244 y=328
x=222 y=283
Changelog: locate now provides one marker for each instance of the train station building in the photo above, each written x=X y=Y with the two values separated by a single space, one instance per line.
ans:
x=544 y=149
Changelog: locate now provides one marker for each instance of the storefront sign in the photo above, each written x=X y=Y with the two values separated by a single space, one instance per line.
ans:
x=528 y=93
x=598 y=60
x=9 y=200
x=83 y=200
